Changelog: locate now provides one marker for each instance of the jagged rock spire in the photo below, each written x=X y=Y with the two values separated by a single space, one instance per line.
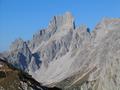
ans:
x=65 y=21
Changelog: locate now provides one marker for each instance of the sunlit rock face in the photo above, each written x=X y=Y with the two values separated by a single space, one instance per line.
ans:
x=72 y=57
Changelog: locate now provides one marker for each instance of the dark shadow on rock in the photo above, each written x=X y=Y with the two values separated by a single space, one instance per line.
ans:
x=88 y=30
x=22 y=61
x=37 y=58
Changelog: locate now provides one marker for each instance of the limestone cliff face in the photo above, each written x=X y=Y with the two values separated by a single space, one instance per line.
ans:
x=73 y=56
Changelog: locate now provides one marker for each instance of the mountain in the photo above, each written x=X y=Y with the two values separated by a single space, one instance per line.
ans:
x=72 y=57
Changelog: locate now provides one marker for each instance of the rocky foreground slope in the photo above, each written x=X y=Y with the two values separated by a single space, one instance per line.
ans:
x=72 y=57
x=15 y=79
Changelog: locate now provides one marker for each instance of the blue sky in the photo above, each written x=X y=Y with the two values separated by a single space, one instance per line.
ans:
x=22 y=18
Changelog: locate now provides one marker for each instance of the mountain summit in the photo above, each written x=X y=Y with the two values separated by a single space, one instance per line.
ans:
x=72 y=57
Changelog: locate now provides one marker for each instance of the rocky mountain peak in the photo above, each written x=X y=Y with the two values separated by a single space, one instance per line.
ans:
x=18 y=44
x=58 y=24
x=65 y=21
x=83 y=28
x=69 y=18
x=108 y=23
x=105 y=26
